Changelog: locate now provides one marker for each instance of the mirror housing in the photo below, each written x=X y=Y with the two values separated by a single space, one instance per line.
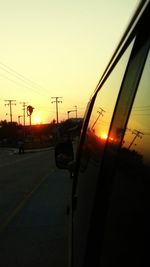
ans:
x=64 y=154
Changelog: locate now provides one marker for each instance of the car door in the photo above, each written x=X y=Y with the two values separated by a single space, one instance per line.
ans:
x=97 y=220
x=126 y=232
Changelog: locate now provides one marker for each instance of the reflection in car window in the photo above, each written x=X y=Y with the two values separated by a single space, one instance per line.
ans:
x=137 y=136
x=92 y=150
x=102 y=112
x=127 y=229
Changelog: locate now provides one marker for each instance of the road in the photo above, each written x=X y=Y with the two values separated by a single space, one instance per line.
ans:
x=33 y=221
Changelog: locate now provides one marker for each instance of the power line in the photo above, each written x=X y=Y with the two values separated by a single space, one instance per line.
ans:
x=28 y=83
x=29 y=87
x=141 y=107
x=19 y=76
x=141 y=114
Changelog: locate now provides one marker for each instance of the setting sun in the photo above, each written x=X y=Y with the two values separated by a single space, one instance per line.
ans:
x=37 y=120
x=104 y=136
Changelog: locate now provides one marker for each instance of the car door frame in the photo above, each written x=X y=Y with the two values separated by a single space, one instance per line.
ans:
x=135 y=27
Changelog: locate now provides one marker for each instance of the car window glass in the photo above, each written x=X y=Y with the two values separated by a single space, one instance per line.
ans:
x=137 y=136
x=92 y=150
x=101 y=115
x=127 y=225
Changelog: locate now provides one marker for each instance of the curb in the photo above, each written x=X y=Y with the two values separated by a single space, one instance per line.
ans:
x=34 y=150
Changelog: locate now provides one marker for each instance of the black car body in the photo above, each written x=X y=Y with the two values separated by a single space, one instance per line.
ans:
x=110 y=205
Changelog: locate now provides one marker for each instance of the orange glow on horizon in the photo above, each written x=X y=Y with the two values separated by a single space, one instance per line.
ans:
x=104 y=136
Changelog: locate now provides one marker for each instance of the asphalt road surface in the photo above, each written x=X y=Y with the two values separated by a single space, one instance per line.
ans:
x=34 y=195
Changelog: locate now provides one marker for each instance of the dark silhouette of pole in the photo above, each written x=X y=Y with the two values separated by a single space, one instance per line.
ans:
x=100 y=113
x=137 y=134
x=24 y=116
x=19 y=118
x=10 y=103
x=24 y=112
x=69 y=111
x=57 y=101
x=76 y=111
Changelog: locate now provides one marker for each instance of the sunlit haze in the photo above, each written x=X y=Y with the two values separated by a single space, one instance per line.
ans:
x=56 y=49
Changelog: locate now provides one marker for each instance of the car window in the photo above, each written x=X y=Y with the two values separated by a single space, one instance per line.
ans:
x=107 y=187
x=99 y=123
x=137 y=135
x=112 y=185
x=127 y=229
x=95 y=140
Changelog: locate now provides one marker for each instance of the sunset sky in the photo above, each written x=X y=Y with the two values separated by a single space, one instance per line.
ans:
x=52 y=48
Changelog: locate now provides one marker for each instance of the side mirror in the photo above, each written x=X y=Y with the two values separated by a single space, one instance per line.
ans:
x=64 y=154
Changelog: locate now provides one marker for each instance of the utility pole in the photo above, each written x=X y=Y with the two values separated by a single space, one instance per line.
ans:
x=68 y=113
x=137 y=134
x=19 y=118
x=71 y=111
x=24 y=111
x=100 y=113
x=10 y=103
x=57 y=101
x=76 y=111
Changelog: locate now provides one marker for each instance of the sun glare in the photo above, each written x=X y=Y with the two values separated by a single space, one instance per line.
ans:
x=104 y=136
x=37 y=120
